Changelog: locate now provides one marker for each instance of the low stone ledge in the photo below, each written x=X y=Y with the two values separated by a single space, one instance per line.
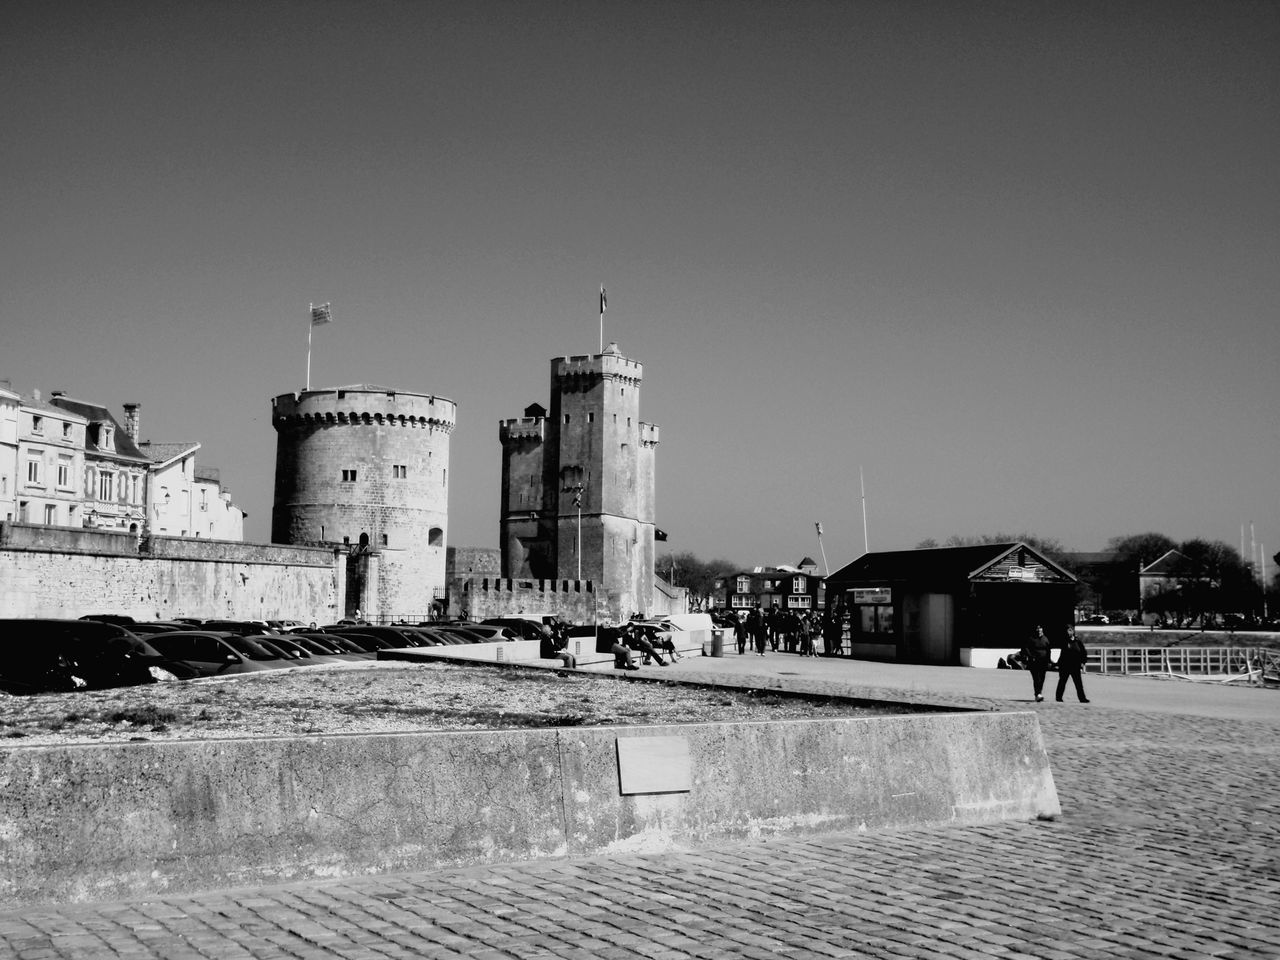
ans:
x=108 y=821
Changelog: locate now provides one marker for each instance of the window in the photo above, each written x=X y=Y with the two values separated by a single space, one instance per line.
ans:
x=384 y=539
x=204 y=499
x=33 y=471
x=566 y=418
x=739 y=601
x=348 y=476
x=591 y=418
x=444 y=479
x=64 y=472
x=106 y=435
x=802 y=602
x=66 y=431
x=400 y=471
x=105 y=483
x=876 y=619
x=37 y=424
x=133 y=489
x=797 y=585
x=435 y=537
x=50 y=514
x=744 y=584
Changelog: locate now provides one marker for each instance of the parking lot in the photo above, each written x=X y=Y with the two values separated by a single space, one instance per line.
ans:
x=1169 y=846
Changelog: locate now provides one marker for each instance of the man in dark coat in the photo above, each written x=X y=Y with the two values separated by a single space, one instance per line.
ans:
x=1036 y=656
x=1070 y=664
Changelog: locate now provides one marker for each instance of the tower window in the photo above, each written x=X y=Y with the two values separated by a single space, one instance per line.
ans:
x=400 y=471
x=566 y=418
x=348 y=476
x=591 y=418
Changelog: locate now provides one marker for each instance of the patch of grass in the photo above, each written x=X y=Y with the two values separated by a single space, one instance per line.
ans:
x=147 y=716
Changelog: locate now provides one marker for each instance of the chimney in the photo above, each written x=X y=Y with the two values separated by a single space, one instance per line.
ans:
x=131 y=420
x=55 y=394
x=35 y=394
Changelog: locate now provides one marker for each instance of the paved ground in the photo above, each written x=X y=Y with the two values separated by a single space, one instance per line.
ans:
x=1169 y=847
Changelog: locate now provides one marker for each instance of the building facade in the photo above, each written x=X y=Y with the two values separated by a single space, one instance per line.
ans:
x=578 y=484
x=115 y=470
x=366 y=468
x=798 y=588
x=10 y=404
x=50 y=464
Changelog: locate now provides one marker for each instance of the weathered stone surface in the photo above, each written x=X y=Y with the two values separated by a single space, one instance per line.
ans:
x=101 y=822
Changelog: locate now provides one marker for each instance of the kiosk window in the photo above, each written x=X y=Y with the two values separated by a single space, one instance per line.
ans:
x=876 y=619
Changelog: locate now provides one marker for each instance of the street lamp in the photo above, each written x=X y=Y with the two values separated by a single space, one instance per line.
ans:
x=576 y=490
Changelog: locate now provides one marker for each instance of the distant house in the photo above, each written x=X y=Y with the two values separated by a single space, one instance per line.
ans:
x=184 y=501
x=938 y=605
x=50 y=467
x=1160 y=583
x=10 y=403
x=115 y=470
x=791 y=587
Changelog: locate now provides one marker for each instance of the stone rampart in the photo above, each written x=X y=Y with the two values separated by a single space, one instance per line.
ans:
x=68 y=572
x=477 y=598
x=132 y=819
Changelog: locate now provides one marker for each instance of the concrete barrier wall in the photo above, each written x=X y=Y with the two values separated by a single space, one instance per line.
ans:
x=68 y=572
x=115 y=820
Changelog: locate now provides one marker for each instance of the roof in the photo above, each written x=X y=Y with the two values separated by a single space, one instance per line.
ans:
x=934 y=564
x=1171 y=564
x=96 y=413
x=45 y=406
x=166 y=452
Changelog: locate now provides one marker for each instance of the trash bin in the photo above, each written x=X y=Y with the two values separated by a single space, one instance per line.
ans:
x=717 y=643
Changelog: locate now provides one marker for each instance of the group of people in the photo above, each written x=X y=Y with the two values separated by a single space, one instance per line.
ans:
x=1037 y=655
x=793 y=631
x=630 y=639
x=625 y=642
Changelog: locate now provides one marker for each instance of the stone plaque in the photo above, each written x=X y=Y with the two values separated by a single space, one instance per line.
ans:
x=654 y=765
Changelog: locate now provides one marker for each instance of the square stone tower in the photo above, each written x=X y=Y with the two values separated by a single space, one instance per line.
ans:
x=578 y=483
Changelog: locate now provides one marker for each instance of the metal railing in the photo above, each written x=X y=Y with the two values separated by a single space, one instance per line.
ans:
x=1204 y=663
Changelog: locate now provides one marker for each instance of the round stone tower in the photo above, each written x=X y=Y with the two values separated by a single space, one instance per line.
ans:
x=366 y=468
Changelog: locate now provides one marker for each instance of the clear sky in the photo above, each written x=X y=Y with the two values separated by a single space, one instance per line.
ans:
x=1017 y=261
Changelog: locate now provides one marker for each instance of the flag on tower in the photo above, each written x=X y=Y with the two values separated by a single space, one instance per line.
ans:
x=604 y=301
x=321 y=315
x=819 y=526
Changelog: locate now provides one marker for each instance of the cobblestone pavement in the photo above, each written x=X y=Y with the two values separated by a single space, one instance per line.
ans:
x=1169 y=847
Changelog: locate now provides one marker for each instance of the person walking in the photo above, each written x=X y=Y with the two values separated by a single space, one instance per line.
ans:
x=762 y=634
x=1071 y=663
x=740 y=634
x=1036 y=656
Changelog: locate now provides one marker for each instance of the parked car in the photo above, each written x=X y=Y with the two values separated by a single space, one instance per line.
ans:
x=49 y=655
x=388 y=639
x=245 y=628
x=526 y=628
x=156 y=626
x=208 y=653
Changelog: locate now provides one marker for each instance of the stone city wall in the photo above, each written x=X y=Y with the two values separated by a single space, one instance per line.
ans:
x=70 y=572
x=575 y=601
x=140 y=819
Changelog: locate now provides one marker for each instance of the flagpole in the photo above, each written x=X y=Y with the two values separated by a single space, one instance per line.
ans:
x=310 y=326
x=826 y=571
x=602 y=308
x=866 y=546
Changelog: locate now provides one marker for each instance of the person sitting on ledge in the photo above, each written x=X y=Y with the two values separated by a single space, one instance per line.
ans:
x=634 y=637
x=551 y=647
x=622 y=658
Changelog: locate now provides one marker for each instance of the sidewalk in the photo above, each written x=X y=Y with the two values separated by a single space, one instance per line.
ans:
x=1169 y=847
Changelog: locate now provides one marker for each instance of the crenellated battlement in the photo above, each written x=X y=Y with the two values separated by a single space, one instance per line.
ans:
x=364 y=406
x=604 y=366
x=521 y=428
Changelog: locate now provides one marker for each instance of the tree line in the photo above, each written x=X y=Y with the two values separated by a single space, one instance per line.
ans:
x=1206 y=578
